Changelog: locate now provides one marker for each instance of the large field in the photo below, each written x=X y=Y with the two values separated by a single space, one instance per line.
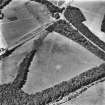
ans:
x=58 y=59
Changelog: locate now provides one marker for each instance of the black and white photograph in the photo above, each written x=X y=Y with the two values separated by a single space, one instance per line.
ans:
x=52 y=52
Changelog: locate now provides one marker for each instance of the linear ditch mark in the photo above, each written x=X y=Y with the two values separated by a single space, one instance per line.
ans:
x=26 y=37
